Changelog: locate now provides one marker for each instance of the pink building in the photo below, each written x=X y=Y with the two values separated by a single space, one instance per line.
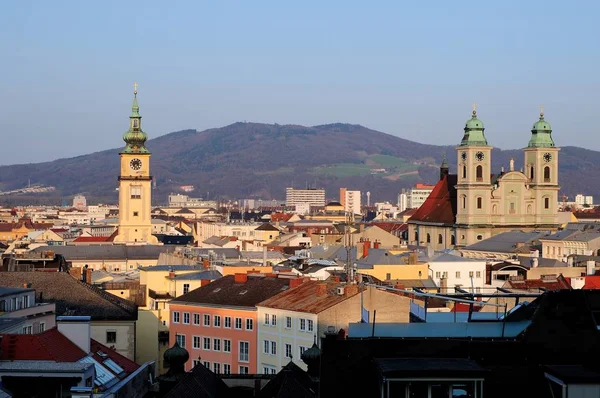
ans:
x=217 y=323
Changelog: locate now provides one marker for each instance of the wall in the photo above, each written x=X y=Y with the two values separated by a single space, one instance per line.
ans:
x=232 y=270
x=399 y=271
x=125 y=344
x=148 y=346
x=464 y=279
x=212 y=332
x=112 y=265
x=536 y=273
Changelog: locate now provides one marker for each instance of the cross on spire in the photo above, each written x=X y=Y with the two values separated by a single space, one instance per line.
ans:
x=135 y=86
x=474 y=109
x=541 y=110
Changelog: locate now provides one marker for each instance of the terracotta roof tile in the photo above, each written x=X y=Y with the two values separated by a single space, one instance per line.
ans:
x=50 y=345
x=440 y=206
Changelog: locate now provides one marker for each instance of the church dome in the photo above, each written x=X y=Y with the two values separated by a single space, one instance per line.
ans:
x=474 y=123
x=541 y=125
x=176 y=355
x=474 y=132
x=313 y=352
x=541 y=134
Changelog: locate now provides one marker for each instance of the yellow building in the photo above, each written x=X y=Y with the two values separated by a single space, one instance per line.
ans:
x=135 y=184
x=383 y=265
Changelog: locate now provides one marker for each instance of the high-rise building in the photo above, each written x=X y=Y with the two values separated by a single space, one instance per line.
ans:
x=79 y=202
x=310 y=196
x=418 y=194
x=135 y=184
x=584 y=200
x=350 y=200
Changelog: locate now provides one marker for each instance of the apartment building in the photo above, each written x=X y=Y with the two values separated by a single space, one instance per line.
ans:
x=217 y=323
x=350 y=200
x=20 y=313
x=303 y=197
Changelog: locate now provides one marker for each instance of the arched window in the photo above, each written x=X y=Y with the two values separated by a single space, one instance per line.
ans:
x=479 y=202
x=417 y=236
x=453 y=240
x=440 y=239
x=528 y=209
x=546 y=203
x=428 y=238
x=463 y=199
x=495 y=209
x=464 y=172
x=547 y=174
x=531 y=174
x=479 y=173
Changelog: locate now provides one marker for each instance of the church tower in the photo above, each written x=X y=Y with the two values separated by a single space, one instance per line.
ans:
x=474 y=175
x=541 y=168
x=135 y=183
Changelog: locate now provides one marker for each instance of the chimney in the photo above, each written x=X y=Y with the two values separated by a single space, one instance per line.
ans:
x=413 y=258
x=590 y=267
x=443 y=285
x=296 y=282
x=322 y=289
x=77 y=329
x=88 y=275
x=240 y=278
x=366 y=247
x=264 y=256
x=350 y=290
x=204 y=282
x=171 y=274
x=335 y=278
x=570 y=261
x=376 y=244
x=205 y=263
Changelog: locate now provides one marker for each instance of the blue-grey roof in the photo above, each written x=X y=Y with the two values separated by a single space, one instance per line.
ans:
x=439 y=330
x=180 y=267
x=93 y=252
x=378 y=257
x=333 y=253
x=9 y=291
x=210 y=275
x=8 y=323
x=449 y=258
x=506 y=242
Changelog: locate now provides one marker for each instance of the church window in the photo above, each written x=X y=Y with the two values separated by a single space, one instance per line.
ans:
x=464 y=201
x=428 y=238
x=547 y=174
x=135 y=214
x=546 y=203
x=464 y=171
x=495 y=209
x=528 y=209
x=531 y=174
x=479 y=173
x=511 y=208
x=136 y=192
x=452 y=240
x=440 y=239
x=479 y=202
x=479 y=237
x=417 y=236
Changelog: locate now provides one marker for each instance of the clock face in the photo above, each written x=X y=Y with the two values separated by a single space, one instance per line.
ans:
x=479 y=156
x=135 y=164
x=463 y=156
x=547 y=157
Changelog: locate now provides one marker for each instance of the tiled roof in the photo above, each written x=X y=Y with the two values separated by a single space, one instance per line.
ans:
x=305 y=298
x=225 y=291
x=440 y=205
x=50 y=345
x=91 y=239
x=200 y=383
x=507 y=242
x=290 y=382
x=275 y=217
x=267 y=227
x=106 y=252
x=71 y=296
x=558 y=283
x=200 y=275
x=391 y=226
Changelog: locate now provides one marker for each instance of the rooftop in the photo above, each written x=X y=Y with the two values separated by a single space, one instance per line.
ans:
x=507 y=242
x=440 y=205
x=106 y=252
x=9 y=291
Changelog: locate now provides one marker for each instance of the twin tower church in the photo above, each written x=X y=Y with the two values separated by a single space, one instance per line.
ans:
x=463 y=208
x=475 y=204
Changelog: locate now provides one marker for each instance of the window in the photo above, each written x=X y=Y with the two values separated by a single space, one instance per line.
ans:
x=531 y=174
x=273 y=348
x=186 y=288
x=42 y=326
x=196 y=342
x=111 y=336
x=269 y=370
x=244 y=352
x=226 y=368
x=265 y=346
x=180 y=339
x=228 y=322
x=238 y=323
x=478 y=274
x=301 y=349
x=25 y=301
x=479 y=237
x=470 y=274
x=464 y=172
x=546 y=203
x=175 y=316
x=440 y=239
x=479 y=173
x=457 y=274
x=303 y=324
x=206 y=320
x=547 y=174
x=226 y=345
x=217 y=321
x=273 y=320
x=288 y=350
x=267 y=319
x=195 y=362
x=186 y=318
x=416 y=236
x=452 y=240
x=27 y=330
x=388 y=276
x=217 y=367
x=428 y=238
x=135 y=213
x=206 y=365
x=206 y=343
x=463 y=199
x=479 y=202
x=196 y=319
x=288 y=322
x=437 y=274
x=243 y=370
x=249 y=324
x=310 y=325
x=136 y=192
x=217 y=344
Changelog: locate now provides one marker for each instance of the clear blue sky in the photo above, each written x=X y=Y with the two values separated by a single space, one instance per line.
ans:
x=411 y=69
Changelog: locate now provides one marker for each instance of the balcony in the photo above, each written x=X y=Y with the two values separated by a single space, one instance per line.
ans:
x=160 y=295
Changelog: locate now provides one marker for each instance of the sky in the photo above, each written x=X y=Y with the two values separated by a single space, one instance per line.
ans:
x=411 y=69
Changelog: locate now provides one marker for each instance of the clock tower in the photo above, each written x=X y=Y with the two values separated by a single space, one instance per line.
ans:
x=135 y=184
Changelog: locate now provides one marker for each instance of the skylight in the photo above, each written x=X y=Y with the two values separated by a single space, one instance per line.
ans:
x=112 y=365
x=216 y=290
x=243 y=292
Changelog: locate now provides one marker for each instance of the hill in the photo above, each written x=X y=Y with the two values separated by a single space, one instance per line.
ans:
x=260 y=160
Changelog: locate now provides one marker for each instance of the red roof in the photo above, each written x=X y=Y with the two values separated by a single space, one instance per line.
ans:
x=90 y=239
x=127 y=364
x=50 y=345
x=440 y=206
x=592 y=282
x=391 y=226
x=275 y=217
x=548 y=284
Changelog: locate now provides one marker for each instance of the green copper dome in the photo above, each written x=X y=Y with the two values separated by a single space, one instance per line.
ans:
x=541 y=134
x=474 y=132
x=135 y=138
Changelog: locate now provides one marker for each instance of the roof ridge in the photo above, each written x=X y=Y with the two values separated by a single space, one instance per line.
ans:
x=126 y=305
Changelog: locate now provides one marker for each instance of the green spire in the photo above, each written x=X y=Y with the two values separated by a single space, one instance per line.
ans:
x=541 y=134
x=474 y=131
x=135 y=138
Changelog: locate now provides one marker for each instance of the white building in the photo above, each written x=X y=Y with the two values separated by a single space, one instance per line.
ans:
x=312 y=196
x=179 y=200
x=350 y=200
x=453 y=271
x=243 y=231
x=582 y=200
x=402 y=201
x=418 y=194
x=79 y=202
